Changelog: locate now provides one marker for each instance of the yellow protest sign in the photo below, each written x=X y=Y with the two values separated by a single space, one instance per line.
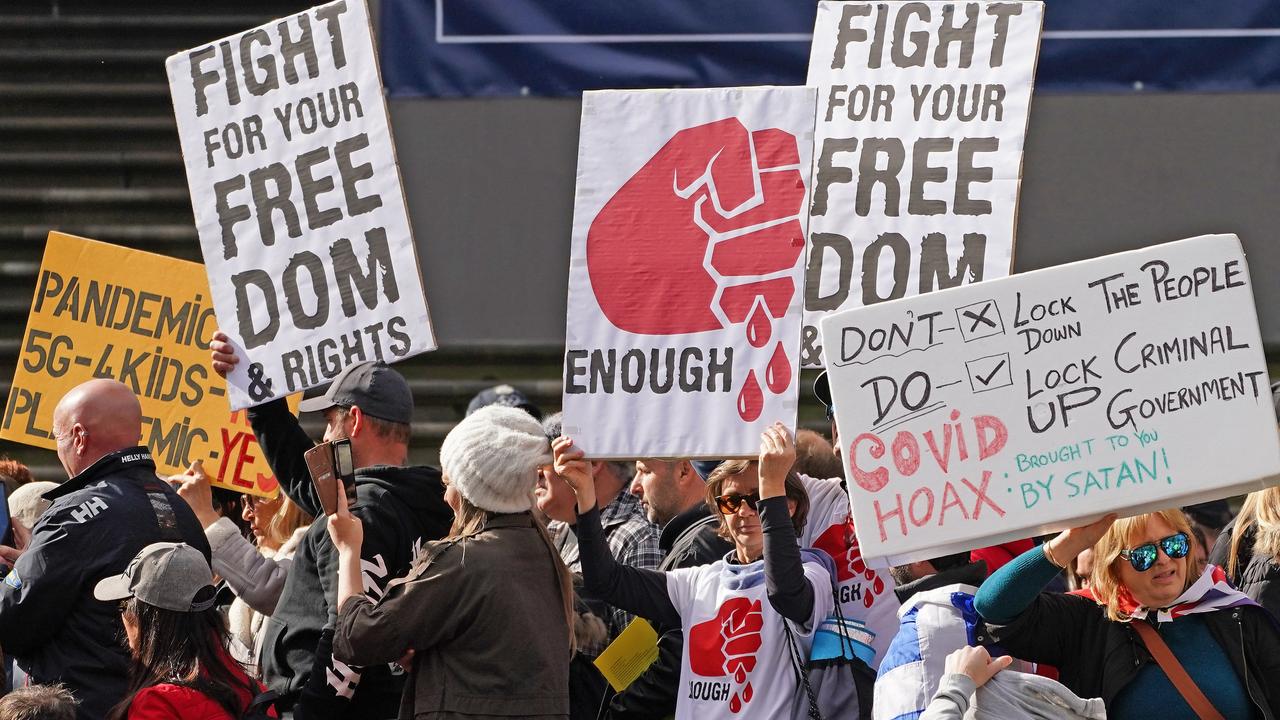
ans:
x=629 y=655
x=104 y=311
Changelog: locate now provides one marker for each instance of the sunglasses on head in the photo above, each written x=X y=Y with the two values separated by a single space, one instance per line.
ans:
x=730 y=503
x=1144 y=556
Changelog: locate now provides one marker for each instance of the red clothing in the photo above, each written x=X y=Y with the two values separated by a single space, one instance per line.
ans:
x=167 y=701
x=997 y=555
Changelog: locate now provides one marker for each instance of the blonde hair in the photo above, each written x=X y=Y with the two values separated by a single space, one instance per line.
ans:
x=1261 y=511
x=288 y=518
x=1105 y=581
x=470 y=520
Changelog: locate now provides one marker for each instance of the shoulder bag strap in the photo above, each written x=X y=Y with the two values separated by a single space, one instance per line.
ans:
x=1172 y=668
x=800 y=666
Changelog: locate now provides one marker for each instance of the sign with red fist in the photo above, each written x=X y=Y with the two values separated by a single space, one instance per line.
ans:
x=686 y=273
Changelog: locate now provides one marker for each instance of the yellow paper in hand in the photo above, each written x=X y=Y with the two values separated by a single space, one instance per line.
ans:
x=629 y=655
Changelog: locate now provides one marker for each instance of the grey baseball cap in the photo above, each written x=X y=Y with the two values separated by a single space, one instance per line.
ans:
x=173 y=576
x=378 y=390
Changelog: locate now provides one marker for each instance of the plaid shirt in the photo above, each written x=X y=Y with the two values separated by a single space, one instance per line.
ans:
x=633 y=540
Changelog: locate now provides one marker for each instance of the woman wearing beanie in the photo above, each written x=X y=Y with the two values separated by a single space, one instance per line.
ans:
x=746 y=618
x=486 y=612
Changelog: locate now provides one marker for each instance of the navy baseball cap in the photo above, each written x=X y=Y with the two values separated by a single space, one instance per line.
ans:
x=378 y=390
x=704 y=468
x=504 y=395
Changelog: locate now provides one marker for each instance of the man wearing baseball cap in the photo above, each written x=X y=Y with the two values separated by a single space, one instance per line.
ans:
x=401 y=508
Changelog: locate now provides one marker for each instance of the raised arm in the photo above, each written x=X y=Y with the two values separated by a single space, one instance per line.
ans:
x=789 y=590
x=277 y=430
x=1011 y=589
x=253 y=577
x=636 y=590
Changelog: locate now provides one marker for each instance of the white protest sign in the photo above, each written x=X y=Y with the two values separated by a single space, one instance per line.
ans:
x=298 y=202
x=986 y=413
x=922 y=110
x=685 y=271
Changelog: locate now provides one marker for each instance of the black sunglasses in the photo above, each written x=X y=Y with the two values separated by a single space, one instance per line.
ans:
x=1143 y=557
x=831 y=412
x=730 y=503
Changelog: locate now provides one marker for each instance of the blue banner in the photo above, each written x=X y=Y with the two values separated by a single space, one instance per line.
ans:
x=473 y=48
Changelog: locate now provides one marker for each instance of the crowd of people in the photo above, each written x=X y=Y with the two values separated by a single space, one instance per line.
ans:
x=487 y=588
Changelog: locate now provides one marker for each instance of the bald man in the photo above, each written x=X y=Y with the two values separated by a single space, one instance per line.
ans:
x=112 y=506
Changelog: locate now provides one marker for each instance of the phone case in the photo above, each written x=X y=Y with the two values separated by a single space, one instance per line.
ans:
x=323 y=476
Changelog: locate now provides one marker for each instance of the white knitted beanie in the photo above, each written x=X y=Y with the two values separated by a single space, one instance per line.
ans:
x=492 y=458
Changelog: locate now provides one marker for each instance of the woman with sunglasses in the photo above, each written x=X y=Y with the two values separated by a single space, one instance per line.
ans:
x=736 y=613
x=1229 y=646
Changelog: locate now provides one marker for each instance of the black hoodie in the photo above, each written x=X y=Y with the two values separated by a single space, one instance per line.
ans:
x=401 y=508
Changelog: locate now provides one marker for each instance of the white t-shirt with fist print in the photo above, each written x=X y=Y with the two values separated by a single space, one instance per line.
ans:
x=866 y=596
x=736 y=662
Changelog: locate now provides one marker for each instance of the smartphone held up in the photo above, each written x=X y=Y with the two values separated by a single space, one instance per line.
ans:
x=333 y=470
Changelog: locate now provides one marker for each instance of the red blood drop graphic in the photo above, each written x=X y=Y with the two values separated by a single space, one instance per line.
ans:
x=750 y=399
x=740 y=674
x=868 y=599
x=878 y=586
x=735 y=704
x=759 y=327
x=869 y=574
x=778 y=374
x=747 y=693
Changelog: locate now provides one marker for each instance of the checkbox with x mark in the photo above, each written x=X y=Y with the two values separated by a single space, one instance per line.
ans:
x=979 y=320
x=990 y=372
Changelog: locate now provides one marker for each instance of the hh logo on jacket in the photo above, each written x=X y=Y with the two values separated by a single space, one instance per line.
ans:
x=726 y=647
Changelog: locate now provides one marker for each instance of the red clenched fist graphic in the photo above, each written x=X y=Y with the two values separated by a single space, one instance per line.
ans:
x=727 y=645
x=840 y=542
x=705 y=236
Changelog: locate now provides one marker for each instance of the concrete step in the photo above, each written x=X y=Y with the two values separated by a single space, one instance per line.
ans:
x=79 y=64
x=26 y=242
x=26 y=99
x=263 y=9
x=150 y=31
x=89 y=168
x=59 y=207
x=65 y=134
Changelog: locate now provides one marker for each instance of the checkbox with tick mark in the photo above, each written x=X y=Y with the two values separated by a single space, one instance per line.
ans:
x=990 y=372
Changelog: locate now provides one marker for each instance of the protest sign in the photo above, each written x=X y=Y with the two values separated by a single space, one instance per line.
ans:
x=986 y=413
x=297 y=200
x=922 y=110
x=685 y=270
x=103 y=311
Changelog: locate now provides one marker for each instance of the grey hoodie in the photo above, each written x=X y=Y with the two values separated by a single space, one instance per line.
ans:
x=1010 y=695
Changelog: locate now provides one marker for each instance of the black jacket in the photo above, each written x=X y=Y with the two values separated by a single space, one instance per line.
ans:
x=401 y=508
x=1097 y=657
x=98 y=522
x=1256 y=576
x=688 y=540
